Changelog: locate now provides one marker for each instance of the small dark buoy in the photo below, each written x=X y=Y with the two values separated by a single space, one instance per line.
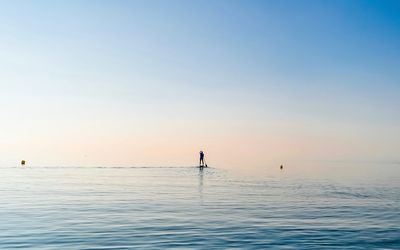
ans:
x=23 y=162
x=281 y=167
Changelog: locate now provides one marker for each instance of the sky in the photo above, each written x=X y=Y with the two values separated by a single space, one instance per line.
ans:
x=151 y=83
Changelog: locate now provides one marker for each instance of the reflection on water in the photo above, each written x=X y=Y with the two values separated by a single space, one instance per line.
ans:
x=121 y=208
x=201 y=176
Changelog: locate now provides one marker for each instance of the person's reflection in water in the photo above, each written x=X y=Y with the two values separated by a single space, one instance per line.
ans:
x=201 y=185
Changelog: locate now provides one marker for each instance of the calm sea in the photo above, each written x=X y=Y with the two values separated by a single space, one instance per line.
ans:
x=184 y=207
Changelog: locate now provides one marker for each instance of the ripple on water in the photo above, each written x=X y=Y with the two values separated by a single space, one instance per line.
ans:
x=121 y=208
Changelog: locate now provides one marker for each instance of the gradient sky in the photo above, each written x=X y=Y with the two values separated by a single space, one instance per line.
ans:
x=251 y=83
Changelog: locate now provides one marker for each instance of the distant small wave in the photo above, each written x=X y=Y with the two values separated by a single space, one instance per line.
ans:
x=351 y=194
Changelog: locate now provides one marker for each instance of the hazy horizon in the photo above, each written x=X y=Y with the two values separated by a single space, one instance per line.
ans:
x=129 y=83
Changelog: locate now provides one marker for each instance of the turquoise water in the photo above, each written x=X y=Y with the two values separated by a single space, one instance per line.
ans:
x=183 y=207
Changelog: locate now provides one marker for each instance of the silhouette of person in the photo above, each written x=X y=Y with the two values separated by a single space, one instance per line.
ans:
x=201 y=159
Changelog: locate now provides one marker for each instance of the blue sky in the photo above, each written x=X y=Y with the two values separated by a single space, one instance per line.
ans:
x=287 y=79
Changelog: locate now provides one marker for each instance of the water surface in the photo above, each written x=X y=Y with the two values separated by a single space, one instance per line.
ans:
x=184 y=207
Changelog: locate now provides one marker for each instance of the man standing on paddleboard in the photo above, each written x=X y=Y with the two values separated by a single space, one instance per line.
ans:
x=201 y=159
